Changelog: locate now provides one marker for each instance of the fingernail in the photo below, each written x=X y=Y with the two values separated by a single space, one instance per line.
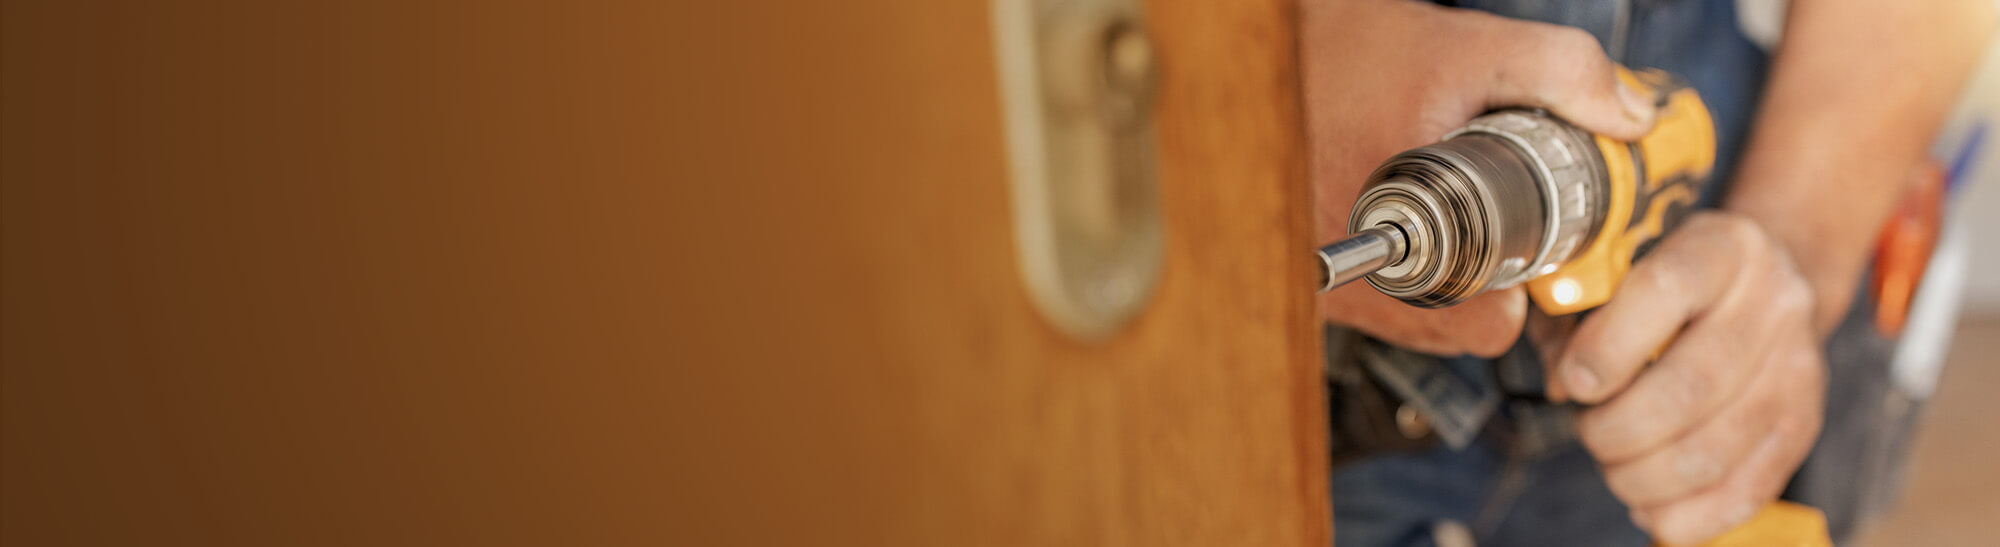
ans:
x=1579 y=379
x=1638 y=105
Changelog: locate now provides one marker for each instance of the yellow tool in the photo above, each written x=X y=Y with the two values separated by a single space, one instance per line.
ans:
x=1518 y=196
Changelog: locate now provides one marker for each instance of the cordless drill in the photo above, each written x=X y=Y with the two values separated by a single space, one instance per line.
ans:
x=1516 y=197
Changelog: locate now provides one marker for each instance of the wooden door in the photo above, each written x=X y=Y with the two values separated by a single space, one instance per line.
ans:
x=593 y=273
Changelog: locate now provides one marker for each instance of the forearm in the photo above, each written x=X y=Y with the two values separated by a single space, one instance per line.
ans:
x=1857 y=91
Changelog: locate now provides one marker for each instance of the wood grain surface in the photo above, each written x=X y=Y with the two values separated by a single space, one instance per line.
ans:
x=603 y=273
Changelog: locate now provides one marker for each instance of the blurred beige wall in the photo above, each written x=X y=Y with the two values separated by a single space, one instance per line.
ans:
x=1978 y=199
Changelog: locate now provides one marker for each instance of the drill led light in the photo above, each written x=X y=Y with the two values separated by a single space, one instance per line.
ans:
x=1565 y=291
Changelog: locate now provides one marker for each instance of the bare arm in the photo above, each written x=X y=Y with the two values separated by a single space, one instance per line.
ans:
x=1857 y=91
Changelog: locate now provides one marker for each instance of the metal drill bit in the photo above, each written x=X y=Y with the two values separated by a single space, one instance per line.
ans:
x=1360 y=254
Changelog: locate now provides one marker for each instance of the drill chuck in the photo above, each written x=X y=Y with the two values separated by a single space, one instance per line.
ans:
x=1508 y=197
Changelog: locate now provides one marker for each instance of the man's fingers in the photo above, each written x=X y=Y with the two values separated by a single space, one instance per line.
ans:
x=1564 y=70
x=1752 y=485
x=1689 y=270
x=1701 y=458
x=1711 y=512
x=1708 y=367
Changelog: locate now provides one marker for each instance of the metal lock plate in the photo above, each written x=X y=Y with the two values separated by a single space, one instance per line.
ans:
x=1077 y=79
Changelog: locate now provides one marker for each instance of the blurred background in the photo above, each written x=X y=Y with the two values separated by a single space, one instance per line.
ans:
x=1950 y=485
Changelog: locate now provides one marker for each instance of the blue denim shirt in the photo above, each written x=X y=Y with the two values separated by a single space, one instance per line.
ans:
x=1508 y=468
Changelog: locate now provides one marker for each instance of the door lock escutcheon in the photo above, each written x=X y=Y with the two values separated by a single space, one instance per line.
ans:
x=1077 y=82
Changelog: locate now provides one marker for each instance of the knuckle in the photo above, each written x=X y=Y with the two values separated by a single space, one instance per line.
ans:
x=1570 y=45
x=1745 y=237
x=1581 y=64
x=1662 y=273
x=1561 y=58
x=1693 y=387
x=1695 y=466
x=1792 y=297
x=1665 y=475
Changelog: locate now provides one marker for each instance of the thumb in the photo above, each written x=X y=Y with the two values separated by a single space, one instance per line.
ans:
x=1563 y=70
